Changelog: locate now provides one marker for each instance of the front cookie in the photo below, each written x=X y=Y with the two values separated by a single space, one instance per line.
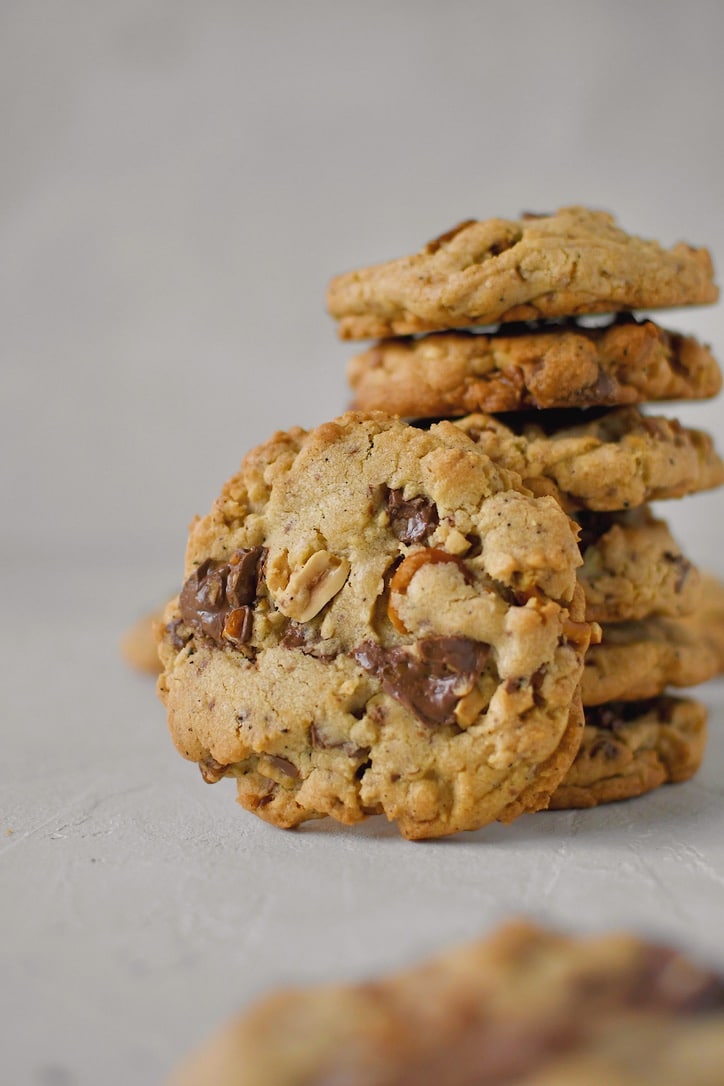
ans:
x=376 y=619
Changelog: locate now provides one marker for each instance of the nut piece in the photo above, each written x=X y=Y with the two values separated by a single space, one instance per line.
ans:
x=469 y=707
x=407 y=570
x=312 y=586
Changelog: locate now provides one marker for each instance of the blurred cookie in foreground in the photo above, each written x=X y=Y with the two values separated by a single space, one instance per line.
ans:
x=522 y=367
x=523 y=1007
x=632 y=747
x=139 y=644
x=572 y=261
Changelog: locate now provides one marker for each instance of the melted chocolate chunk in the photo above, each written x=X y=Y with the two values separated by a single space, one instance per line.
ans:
x=217 y=599
x=430 y=678
x=412 y=521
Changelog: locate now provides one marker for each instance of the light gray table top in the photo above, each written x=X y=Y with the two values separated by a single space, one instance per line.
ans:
x=178 y=184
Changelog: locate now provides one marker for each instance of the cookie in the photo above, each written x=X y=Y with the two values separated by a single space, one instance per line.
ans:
x=139 y=645
x=480 y=273
x=638 y=660
x=457 y=373
x=631 y=747
x=523 y=1006
x=633 y=568
x=377 y=620
x=604 y=460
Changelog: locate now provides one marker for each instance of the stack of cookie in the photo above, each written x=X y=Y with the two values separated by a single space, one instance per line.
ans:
x=381 y=617
x=554 y=396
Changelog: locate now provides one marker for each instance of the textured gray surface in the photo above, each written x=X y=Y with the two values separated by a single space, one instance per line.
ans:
x=179 y=181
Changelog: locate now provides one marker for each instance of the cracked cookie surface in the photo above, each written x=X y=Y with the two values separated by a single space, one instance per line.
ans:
x=375 y=619
x=632 y=747
x=498 y=270
x=603 y=460
x=524 y=1006
x=457 y=373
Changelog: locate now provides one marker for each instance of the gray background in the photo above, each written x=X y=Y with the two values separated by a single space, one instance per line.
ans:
x=178 y=183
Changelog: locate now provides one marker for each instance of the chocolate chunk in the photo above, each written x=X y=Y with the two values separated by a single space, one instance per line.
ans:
x=605 y=748
x=476 y=545
x=294 y=636
x=430 y=678
x=412 y=521
x=241 y=580
x=603 y=391
x=217 y=598
x=211 y=770
x=320 y=741
x=535 y=683
x=284 y=765
x=302 y=636
x=683 y=568
x=178 y=636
